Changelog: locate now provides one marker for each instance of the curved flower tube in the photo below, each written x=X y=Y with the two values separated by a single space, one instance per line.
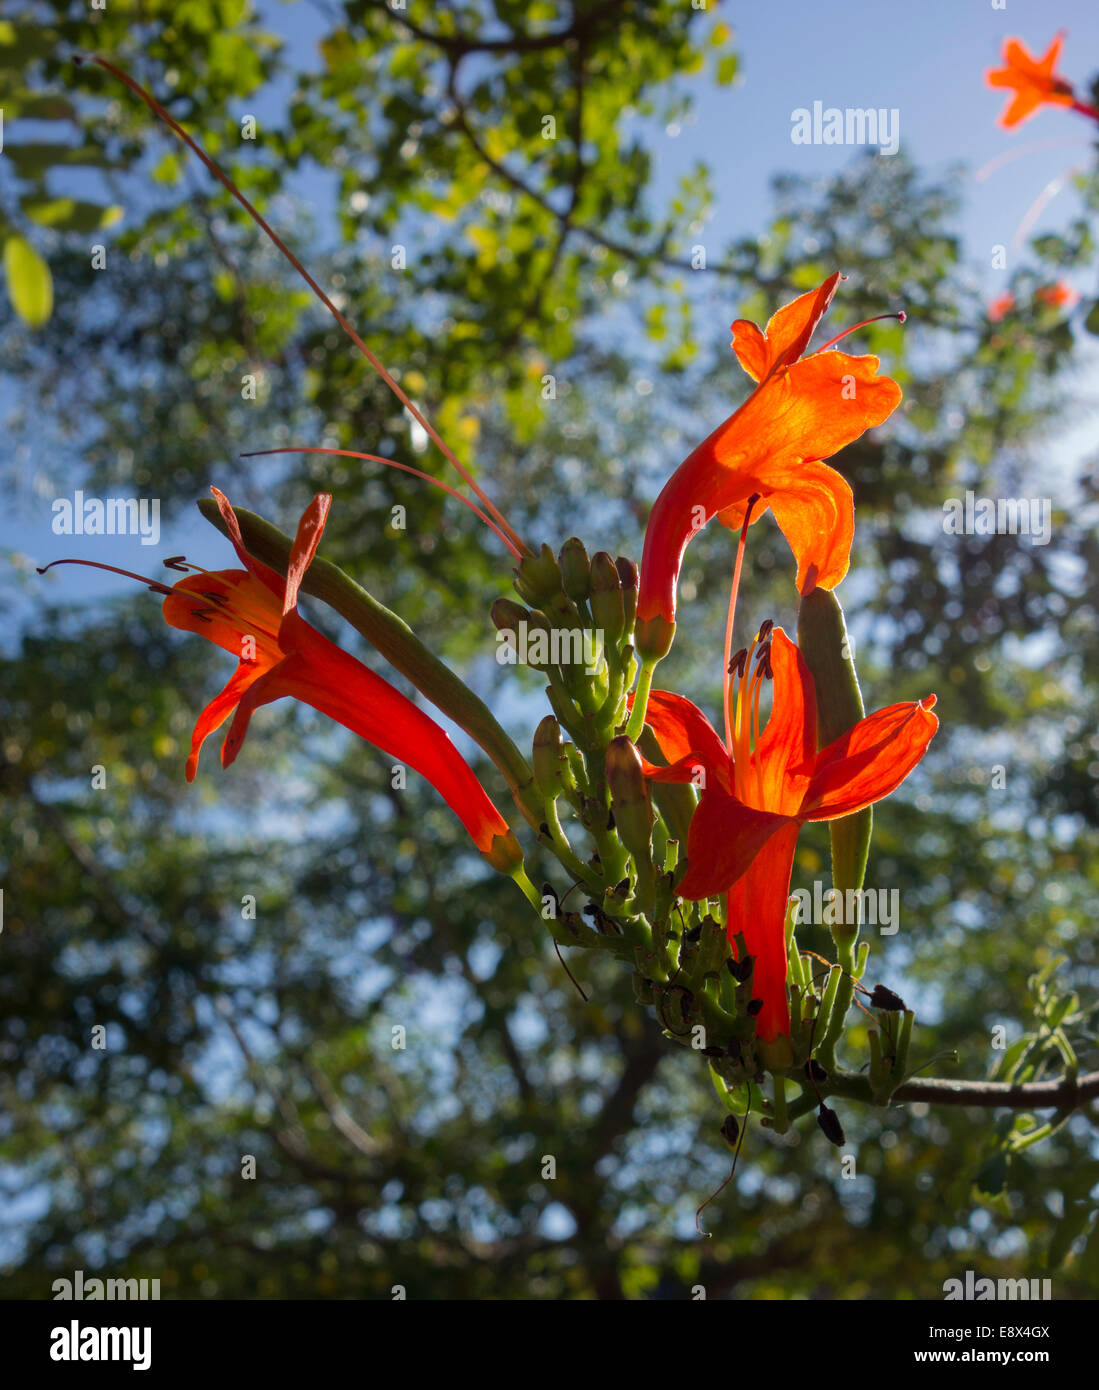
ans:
x=767 y=455
x=253 y=614
x=757 y=794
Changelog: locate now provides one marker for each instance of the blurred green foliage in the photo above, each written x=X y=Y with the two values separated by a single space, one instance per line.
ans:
x=272 y=1037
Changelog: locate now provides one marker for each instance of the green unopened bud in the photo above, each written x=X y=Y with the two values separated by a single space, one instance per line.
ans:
x=628 y=574
x=653 y=638
x=633 y=813
x=826 y=647
x=538 y=578
x=548 y=757
x=607 y=609
x=575 y=570
x=521 y=622
x=509 y=615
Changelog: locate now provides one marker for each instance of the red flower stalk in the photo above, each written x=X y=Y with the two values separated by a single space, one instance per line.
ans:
x=758 y=791
x=768 y=456
x=1034 y=83
x=253 y=614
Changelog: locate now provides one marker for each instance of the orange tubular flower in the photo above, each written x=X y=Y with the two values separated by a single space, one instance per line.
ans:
x=767 y=455
x=758 y=792
x=253 y=614
x=1034 y=83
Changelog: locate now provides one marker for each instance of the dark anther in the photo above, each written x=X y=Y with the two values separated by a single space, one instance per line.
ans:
x=176 y=562
x=814 y=1071
x=201 y=613
x=755 y=1007
x=543 y=829
x=214 y=598
x=830 y=1125
x=765 y=629
x=763 y=655
x=741 y=970
x=736 y=665
x=883 y=998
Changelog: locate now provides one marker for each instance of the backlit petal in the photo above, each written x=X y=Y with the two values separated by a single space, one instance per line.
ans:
x=870 y=760
x=788 y=332
x=685 y=734
x=322 y=675
x=724 y=838
x=757 y=908
x=787 y=748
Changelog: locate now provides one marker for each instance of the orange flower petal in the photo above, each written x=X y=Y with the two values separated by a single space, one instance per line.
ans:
x=787 y=748
x=264 y=573
x=322 y=675
x=724 y=838
x=870 y=760
x=310 y=530
x=220 y=707
x=685 y=735
x=788 y=332
x=757 y=907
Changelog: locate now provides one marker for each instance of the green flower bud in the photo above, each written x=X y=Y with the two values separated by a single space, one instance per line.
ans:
x=538 y=578
x=628 y=574
x=575 y=570
x=548 y=757
x=826 y=647
x=512 y=617
x=633 y=813
x=607 y=608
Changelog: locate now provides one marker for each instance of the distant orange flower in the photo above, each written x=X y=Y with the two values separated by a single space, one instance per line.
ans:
x=1057 y=296
x=1001 y=307
x=1034 y=83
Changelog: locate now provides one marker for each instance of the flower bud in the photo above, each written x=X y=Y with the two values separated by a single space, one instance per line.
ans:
x=538 y=578
x=607 y=609
x=825 y=645
x=633 y=814
x=627 y=573
x=547 y=757
x=575 y=570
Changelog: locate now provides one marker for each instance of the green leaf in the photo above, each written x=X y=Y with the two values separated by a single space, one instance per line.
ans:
x=1091 y=323
x=71 y=214
x=30 y=284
